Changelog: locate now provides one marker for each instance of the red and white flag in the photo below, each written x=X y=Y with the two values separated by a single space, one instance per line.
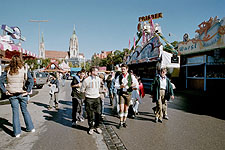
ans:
x=152 y=25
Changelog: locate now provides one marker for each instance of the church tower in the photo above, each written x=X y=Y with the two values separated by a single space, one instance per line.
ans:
x=42 y=48
x=73 y=49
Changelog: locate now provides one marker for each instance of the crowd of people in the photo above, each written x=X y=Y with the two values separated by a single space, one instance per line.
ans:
x=124 y=89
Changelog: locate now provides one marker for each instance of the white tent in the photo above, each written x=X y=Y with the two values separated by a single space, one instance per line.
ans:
x=64 y=66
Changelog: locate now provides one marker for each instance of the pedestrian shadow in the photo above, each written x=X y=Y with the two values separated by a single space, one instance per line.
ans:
x=40 y=104
x=69 y=103
x=62 y=116
x=110 y=123
x=146 y=114
x=144 y=119
x=3 y=123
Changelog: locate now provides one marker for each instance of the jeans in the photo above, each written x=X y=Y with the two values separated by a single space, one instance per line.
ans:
x=77 y=109
x=15 y=101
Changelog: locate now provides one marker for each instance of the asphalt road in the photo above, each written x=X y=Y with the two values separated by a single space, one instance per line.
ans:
x=196 y=122
x=53 y=128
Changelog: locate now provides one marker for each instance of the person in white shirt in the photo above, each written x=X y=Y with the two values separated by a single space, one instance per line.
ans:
x=124 y=84
x=91 y=89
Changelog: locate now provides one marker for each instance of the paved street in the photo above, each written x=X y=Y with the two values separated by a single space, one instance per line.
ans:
x=194 y=124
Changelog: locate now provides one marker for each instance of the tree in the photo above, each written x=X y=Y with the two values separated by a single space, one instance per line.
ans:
x=95 y=61
x=168 y=48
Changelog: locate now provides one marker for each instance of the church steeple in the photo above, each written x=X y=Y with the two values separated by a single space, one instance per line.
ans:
x=42 y=47
x=74 y=52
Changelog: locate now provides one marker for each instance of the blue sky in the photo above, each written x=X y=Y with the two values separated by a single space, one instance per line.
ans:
x=103 y=24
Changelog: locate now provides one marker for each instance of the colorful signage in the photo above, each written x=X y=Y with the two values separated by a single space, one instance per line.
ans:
x=154 y=16
x=14 y=32
x=211 y=36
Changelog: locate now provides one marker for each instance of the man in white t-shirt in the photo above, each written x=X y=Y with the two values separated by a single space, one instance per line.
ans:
x=91 y=89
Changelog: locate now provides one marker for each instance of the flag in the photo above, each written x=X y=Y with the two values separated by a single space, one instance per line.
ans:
x=134 y=42
x=129 y=43
x=152 y=25
x=143 y=37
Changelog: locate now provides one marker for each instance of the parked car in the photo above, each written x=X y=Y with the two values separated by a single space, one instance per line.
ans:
x=40 y=78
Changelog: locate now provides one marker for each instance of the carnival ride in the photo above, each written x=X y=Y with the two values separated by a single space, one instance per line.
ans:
x=147 y=59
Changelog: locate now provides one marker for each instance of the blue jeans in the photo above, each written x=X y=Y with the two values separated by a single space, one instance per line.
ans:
x=15 y=101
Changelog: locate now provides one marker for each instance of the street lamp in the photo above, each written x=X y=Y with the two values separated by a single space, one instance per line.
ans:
x=38 y=21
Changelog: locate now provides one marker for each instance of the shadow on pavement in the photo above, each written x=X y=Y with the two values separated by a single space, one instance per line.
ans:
x=62 y=116
x=40 y=104
x=199 y=103
x=3 y=123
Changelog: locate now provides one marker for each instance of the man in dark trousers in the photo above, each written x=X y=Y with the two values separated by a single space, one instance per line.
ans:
x=91 y=88
x=77 y=98
x=161 y=91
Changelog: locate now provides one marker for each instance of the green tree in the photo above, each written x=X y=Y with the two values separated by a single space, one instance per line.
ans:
x=168 y=48
x=95 y=61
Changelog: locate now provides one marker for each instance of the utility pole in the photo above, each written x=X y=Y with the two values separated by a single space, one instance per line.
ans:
x=38 y=21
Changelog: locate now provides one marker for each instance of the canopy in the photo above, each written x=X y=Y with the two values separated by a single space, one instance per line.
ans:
x=64 y=66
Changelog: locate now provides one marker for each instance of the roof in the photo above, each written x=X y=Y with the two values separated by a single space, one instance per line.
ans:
x=55 y=54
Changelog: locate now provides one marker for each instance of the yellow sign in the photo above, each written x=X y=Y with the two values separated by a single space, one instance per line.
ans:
x=146 y=18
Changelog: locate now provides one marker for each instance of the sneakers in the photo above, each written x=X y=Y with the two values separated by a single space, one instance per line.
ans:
x=91 y=131
x=160 y=120
x=32 y=131
x=74 y=124
x=17 y=136
x=156 y=119
x=81 y=119
x=166 y=117
x=124 y=125
x=120 y=126
x=98 y=130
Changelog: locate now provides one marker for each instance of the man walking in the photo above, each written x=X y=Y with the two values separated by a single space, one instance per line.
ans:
x=161 y=91
x=124 y=84
x=77 y=98
x=91 y=88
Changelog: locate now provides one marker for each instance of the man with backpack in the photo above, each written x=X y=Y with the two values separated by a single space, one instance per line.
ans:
x=124 y=84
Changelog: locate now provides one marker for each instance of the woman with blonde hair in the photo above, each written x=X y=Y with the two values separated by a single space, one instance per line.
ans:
x=19 y=83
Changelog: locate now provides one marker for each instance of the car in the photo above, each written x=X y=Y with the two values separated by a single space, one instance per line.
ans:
x=40 y=78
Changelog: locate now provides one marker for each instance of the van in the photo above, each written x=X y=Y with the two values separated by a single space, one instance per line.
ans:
x=40 y=78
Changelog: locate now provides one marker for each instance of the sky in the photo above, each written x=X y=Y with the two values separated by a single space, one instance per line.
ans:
x=103 y=25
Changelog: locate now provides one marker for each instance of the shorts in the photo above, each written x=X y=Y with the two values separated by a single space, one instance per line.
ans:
x=124 y=98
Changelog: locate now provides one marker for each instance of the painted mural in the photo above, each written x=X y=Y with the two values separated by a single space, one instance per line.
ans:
x=211 y=35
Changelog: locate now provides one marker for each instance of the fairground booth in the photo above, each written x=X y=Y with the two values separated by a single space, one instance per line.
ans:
x=8 y=47
x=149 y=56
x=203 y=57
